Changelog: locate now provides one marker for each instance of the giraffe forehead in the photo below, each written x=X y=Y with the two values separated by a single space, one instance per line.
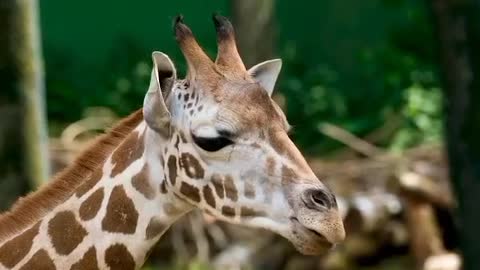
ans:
x=239 y=101
x=251 y=107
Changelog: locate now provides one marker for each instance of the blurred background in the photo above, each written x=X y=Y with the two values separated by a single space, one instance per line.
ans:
x=381 y=95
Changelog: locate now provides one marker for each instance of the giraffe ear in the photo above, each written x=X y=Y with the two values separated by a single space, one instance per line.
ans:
x=266 y=73
x=155 y=111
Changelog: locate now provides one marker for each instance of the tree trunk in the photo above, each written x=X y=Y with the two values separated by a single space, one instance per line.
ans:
x=457 y=25
x=23 y=136
x=254 y=26
x=254 y=22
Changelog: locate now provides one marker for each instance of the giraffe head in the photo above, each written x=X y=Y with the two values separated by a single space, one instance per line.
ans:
x=228 y=151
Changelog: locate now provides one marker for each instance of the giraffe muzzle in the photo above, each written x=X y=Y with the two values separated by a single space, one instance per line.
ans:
x=308 y=241
x=316 y=223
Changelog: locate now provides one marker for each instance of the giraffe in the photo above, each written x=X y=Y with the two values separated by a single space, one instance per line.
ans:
x=214 y=140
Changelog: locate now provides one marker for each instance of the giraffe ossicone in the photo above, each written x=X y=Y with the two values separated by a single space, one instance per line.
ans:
x=215 y=141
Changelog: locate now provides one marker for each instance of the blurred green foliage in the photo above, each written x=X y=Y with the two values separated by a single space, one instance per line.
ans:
x=389 y=83
x=422 y=114
x=396 y=81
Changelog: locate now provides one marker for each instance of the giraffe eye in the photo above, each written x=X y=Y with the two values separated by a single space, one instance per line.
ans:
x=212 y=144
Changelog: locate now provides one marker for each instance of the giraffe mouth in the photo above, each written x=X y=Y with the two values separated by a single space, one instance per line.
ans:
x=316 y=239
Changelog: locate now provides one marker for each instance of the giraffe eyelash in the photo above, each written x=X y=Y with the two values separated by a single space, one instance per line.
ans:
x=212 y=144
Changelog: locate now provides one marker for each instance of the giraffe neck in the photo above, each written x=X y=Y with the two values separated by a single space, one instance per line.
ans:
x=112 y=220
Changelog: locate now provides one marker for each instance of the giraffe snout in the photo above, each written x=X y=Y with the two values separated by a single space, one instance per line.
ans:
x=318 y=212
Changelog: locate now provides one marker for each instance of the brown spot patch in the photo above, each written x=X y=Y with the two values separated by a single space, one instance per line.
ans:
x=141 y=184
x=261 y=136
x=172 y=169
x=154 y=228
x=121 y=216
x=249 y=189
x=15 y=249
x=287 y=174
x=250 y=212
x=40 y=260
x=270 y=166
x=90 y=206
x=230 y=189
x=190 y=192
x=66 y=233
x=228 y=211
x=192 y=166
x=88 y=261
x=182 y=136
x=129 y=151
x=217 y=182
x=177 y=142
x=282 y=144
x=277 y=142
x=117 y=257
x=90 y=183
x=208 y=195
x=163 y=186
x=162 y=161
x=255 y=145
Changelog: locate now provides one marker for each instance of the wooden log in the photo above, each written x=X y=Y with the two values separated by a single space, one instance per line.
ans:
x=426 y=189
x=425 y=237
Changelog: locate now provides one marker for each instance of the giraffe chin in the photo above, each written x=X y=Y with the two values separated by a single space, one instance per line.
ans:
x=308 y=242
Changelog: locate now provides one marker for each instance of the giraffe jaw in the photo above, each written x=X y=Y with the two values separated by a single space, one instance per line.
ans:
x=307 y=241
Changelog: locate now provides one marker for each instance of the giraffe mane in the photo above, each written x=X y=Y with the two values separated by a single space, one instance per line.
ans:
x=35 y=205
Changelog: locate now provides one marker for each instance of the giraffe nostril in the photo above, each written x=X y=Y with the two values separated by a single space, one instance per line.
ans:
x=320 y=198
x=317 y=199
